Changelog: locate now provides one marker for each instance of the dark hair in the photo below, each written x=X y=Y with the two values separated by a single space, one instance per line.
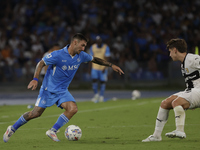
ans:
x=56 y=44
x=179 y=44
x=79 y=37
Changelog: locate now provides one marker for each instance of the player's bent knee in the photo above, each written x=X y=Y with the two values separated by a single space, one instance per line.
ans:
x=166 y=104
x=181 y=102
x=74 y=110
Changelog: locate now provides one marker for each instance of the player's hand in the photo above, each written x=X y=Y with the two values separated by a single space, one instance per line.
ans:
x=33 y=84
x=117 y=69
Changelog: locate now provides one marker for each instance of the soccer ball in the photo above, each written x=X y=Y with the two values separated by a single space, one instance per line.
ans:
x=73 y=133
x=135 y=94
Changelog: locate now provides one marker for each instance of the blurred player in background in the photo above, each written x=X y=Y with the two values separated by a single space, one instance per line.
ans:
x=99 y=73
x=181 y=101
x=53 y=48
x=63 y=65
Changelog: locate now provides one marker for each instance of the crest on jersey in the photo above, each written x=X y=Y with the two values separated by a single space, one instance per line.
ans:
x=43 y=102
x=78 y=59
x=64 y=67
x=186 y=69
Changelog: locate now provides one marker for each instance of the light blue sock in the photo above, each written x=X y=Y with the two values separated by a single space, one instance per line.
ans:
x=21 y=121
x=102 y=89
x=62 y=120
x=95 y=87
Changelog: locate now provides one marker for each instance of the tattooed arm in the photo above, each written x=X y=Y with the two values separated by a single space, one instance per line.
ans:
x=101 y=62
x=108 y=64
x=33 y=84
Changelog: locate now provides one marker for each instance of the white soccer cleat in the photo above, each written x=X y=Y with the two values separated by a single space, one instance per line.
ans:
x=9 y=132
x=95 y=98
x=152 y=138
x=52 y=135
x=175 y=134
x=101 y=99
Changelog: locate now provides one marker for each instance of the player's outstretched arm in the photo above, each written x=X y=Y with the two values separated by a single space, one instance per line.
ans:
x=108 y=64
x=33 y=84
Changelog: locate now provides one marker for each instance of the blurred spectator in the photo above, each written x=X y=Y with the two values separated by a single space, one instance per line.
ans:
x=3 y=40
x=142 y=26
x=132 y=67
x=53 y=48
x=37 y=47
x=13 y=42
x=152 y=71
x=118 y=44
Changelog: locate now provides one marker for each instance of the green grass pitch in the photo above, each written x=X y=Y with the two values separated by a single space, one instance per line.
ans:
x=113 y=125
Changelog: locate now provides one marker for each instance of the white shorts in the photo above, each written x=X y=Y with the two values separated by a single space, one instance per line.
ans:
x=192 y=96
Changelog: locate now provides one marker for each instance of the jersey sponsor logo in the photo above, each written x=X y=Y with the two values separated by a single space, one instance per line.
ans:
x=64 y=60
x=192 y=76
x=73 y=67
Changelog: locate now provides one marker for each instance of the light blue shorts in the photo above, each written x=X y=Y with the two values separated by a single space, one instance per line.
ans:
x=98 y=74
x=47 y=99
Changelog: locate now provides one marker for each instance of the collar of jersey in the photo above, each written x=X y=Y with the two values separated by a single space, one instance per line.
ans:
x=66 y=48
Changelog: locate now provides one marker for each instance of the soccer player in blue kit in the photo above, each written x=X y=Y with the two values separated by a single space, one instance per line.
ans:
x=63 y=65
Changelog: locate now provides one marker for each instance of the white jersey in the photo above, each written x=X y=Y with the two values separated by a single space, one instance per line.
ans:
x=191 y=70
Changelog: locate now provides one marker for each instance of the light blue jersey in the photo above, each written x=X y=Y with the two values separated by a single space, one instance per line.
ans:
x=62 y=68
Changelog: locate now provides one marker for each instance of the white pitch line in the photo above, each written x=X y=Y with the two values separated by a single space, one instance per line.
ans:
x=129 y=126
x=142 y=103
x=89 y=110
x=81 y=111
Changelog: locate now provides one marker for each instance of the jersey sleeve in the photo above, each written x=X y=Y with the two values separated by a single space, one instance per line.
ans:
x=107 y=53
x=51 y=58
x=86 y=57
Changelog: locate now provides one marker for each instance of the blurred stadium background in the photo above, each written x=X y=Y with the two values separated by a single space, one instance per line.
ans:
x=135 y=30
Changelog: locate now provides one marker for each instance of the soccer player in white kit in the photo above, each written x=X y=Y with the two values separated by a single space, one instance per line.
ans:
x=181 y=101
